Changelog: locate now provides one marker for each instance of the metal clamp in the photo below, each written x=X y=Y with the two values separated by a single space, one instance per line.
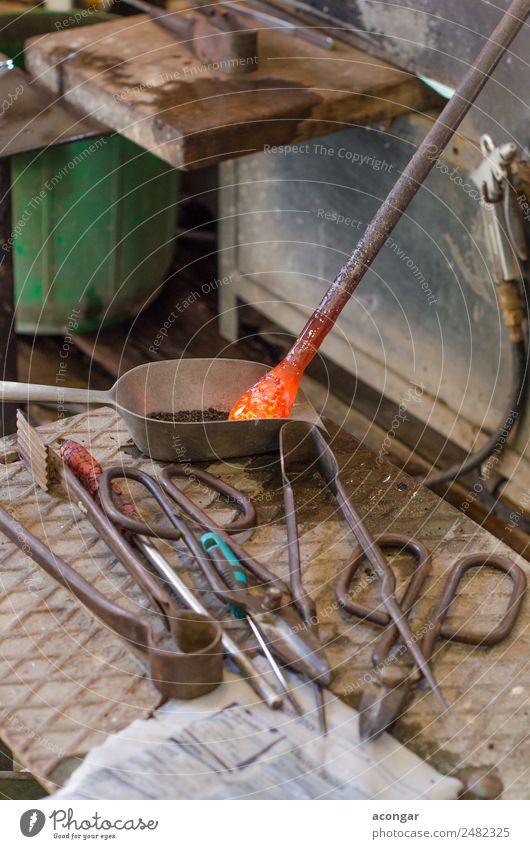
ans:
x=504 y=223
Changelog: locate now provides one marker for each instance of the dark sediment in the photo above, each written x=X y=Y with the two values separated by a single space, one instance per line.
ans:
x=208 y=415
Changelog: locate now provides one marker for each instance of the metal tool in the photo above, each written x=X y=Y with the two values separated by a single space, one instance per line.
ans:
x=89 y=473
x=269 y=601
x=184 y=663
x=274 y=393
x=304 y=444
x=279 y=19
x=235 y=578
x=169 y=386
x=277 y=623
x=246 y=667
x=47 y=467
x=214 y=36
x=185 y=656
x=504 y=223
x=301 y=599
x=385 y=700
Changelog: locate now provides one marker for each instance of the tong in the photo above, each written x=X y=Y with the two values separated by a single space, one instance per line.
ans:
x=268 y=602
x=104 y=490
x=185 y=657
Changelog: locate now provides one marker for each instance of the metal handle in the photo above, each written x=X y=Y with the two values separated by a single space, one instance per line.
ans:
x=183 y=666
x=132 y=522
x=35 y=393
x=499 y=630
x=203 y=519
x=246 y=512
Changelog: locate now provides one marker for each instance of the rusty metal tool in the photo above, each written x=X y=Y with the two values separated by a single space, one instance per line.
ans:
x=90 y=474
x=269 y=599
x=301 y=599
x=184 y=663
x=273 y=394
x=184 y=653
x=304 y=445
x=387 y=697
x=47 y=467
x=235 y=578
x=242 y=661
x=185 y=658
x=215 y=36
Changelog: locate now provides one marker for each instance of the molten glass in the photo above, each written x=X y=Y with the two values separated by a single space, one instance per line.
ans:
x=272 y=397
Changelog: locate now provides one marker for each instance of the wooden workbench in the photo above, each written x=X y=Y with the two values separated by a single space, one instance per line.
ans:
x=66 y=683
x=138 y=79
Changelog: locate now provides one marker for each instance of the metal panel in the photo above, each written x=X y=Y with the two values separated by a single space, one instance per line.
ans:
x=426 y=312
x=439 y=39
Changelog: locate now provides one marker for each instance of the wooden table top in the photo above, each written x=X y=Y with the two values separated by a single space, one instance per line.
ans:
x=138 y=79
x=61 y=693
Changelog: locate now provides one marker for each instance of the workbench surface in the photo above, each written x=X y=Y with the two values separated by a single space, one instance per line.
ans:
x=138 y=79
x=65 y=683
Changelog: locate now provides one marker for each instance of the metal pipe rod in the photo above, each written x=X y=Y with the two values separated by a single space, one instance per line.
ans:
x=274 y=666
x=417 y=170
x=245 y=665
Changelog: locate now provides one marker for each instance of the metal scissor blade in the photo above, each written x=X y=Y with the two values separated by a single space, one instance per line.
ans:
x=295 y=644
x=408 y=638
x=380 y=707
x=275 y=668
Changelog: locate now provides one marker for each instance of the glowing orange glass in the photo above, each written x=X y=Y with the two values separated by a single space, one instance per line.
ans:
x=272 y=397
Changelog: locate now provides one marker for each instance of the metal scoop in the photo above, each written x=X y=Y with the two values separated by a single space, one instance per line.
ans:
x=171 y=386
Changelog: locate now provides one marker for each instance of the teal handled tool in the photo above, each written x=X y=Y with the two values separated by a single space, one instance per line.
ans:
x=234 y=576
x=271 y=601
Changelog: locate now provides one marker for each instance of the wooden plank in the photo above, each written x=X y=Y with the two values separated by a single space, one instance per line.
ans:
x=138 y=79
x=36 y=119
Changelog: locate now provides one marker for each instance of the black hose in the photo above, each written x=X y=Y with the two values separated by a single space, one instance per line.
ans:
x=514 y=517
x=498 y=439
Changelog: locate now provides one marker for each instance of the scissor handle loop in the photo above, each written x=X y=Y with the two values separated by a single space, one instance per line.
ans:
x=449 y=593
x=129 y=522
x=414 y=585
x=246 y=517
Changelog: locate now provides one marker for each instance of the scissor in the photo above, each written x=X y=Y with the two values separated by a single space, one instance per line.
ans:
x=387 y=697
x=268 y=601
x=304 y=448
x=226 y=555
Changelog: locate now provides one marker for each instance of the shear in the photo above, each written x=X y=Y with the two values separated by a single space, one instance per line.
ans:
x=304 y=448
x=387 y=697
x=268 y=601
